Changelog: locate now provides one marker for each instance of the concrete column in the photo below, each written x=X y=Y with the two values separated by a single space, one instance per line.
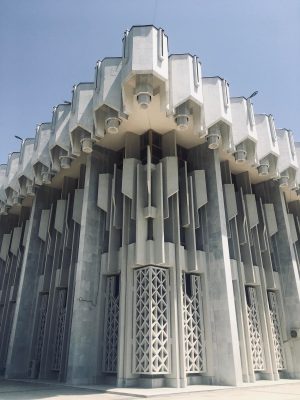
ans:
x=288 y=273
x=226 y=354
x=8 y=275
x=21 y=335
x=85 y=341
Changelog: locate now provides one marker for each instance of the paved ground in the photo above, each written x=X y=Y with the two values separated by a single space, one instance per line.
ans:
x=20 y=390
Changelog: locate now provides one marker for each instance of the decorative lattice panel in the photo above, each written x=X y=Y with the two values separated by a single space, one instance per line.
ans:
x=59 y=329
x=256 y=339
x=41 y=326
x=276 y=331
x=151 y=309
x=111 y=329
x=193 y=324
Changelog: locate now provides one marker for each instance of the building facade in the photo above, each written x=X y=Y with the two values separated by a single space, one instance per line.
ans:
x=149 y=234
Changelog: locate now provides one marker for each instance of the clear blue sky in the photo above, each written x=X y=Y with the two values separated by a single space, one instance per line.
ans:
x=46 y=46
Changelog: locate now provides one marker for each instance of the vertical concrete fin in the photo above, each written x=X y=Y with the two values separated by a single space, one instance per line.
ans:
x=5 y=246
x=184 y=196
x=129 y=182
x=262 y=230
x=104 y=192
x=251 y=208
x=60 y=215
x=293 y=228
x=270 y=219
x=141 y=221
x=104 y=195
x=170 y=181
x=230 y=201
x=199 y=193
x=15 y=242
x=158 y=221
x=117 y=199
x=190 y=230
x=44 y=222
x=241 y=218
x=149 y=177
x=25 y=233
x=77 y=207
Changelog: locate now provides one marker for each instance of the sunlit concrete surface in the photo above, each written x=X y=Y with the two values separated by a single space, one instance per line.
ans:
x=19 y=390
x=150 y=234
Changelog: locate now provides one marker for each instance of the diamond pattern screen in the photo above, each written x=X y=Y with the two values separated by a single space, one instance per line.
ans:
x=41 y=326
x=193 y=324
x=151 y=319
x=256 y=340
x=59 y=329
x=111 y=329
x=276 y=331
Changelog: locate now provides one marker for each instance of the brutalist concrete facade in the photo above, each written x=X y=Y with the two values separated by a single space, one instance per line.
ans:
x=150 y=233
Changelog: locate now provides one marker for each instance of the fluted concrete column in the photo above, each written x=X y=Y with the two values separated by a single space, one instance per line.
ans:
x=8 y=265
x=288 y=274
x=85 y=342
x=21 y=335
x=225 y=353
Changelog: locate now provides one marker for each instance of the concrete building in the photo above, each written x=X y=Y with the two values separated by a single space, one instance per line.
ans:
x=149 y=234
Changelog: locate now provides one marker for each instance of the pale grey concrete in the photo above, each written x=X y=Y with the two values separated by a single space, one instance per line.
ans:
x=288 y=275
x=222 y=308
x=21 y=336
x=21 y=390
x=217 y=297
x=83 y=366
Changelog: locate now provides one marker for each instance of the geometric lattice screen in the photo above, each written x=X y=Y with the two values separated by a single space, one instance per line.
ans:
x=111 y=327
x=193 y=324
x=276 y=331
x=256 y=340
x=59 y=329
x=41 y=327
x=151 y=318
